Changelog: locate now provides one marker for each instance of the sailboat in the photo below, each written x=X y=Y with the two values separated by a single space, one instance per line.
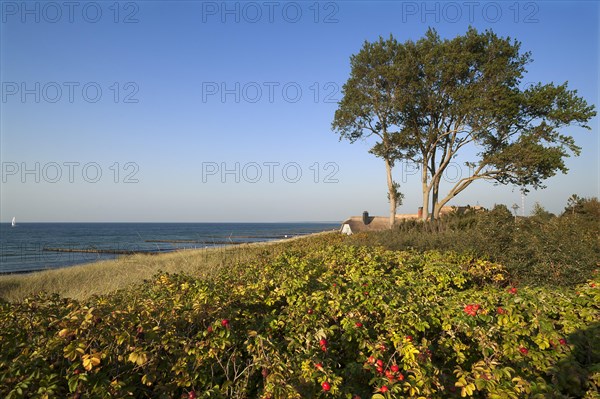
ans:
x=14 y=222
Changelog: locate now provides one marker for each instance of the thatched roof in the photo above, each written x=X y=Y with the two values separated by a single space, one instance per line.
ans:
x=375 y=223
x=355 y=224
x=460 y=210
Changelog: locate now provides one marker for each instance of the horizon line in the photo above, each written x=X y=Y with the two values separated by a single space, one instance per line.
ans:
x=179 y=222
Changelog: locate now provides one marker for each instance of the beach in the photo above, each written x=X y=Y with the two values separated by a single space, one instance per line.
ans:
x=84 y=280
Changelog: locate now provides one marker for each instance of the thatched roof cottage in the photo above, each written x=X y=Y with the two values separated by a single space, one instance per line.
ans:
x=356 y=224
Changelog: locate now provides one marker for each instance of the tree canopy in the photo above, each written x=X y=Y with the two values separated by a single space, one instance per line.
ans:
x=428 y=101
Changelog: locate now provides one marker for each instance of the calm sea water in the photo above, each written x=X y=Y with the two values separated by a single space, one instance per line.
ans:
x=30 y=246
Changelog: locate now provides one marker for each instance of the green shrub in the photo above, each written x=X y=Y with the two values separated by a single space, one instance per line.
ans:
x=314 y=321
x=536 y=250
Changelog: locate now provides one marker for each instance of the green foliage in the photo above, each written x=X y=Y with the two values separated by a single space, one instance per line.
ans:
x=319 y=320
x=574 y=202
x=395 y=194
x=368 y=107
x=540 y=213
x=588 y=208
x=552 y=251
x=431 y=100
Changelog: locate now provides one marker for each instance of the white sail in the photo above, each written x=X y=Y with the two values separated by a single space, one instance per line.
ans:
x=14 y=222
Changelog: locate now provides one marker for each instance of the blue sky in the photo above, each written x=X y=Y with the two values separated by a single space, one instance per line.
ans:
x=221 y=111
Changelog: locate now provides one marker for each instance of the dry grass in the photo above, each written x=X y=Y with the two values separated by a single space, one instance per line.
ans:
x=83 y=281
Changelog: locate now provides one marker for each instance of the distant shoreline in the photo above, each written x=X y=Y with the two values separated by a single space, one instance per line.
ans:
x=81 y=281
x=119 y=254
x=33 y=247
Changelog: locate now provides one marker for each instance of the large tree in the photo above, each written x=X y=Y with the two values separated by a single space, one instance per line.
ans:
x=462 y=98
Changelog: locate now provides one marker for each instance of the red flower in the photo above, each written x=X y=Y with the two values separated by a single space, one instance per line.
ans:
x=512 y=290
x=395 y=368
x=209 y=329
x=383 y=389
x=371 y=359
x=562 y=341
x=500 y=310
x=323 y=343
x=326 y=386
x=359 y=324
x=319 y=366
x=225 y=323
x=471 y=310
x=523 y=350
x=380 y=362
x=409 y=338
x=400 y=377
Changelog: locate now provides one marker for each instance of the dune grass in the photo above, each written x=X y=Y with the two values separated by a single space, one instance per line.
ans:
x=82 y=281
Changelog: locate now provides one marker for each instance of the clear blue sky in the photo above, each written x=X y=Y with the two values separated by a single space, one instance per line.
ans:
x=190 y=90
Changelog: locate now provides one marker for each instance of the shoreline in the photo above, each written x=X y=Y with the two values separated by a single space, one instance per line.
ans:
x=83 y=280
x=119 y=254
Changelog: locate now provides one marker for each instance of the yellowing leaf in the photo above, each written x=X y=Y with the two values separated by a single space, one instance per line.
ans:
x=138 y=358
x=90 y=361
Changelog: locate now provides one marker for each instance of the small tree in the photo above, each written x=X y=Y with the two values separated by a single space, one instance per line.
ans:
x=573 y=202
x=540 y=213
x=588 y=207
x=515 y=208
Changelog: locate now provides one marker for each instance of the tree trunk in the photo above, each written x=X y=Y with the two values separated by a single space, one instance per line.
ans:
x=445 y=200
x=392 y=192
x=425 y=188
x=435 y=212
x=436 y=206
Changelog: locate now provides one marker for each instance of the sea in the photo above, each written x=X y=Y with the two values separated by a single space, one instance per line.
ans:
x=30 y=247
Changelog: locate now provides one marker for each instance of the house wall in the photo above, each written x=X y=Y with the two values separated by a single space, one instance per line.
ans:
x=346 y=229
